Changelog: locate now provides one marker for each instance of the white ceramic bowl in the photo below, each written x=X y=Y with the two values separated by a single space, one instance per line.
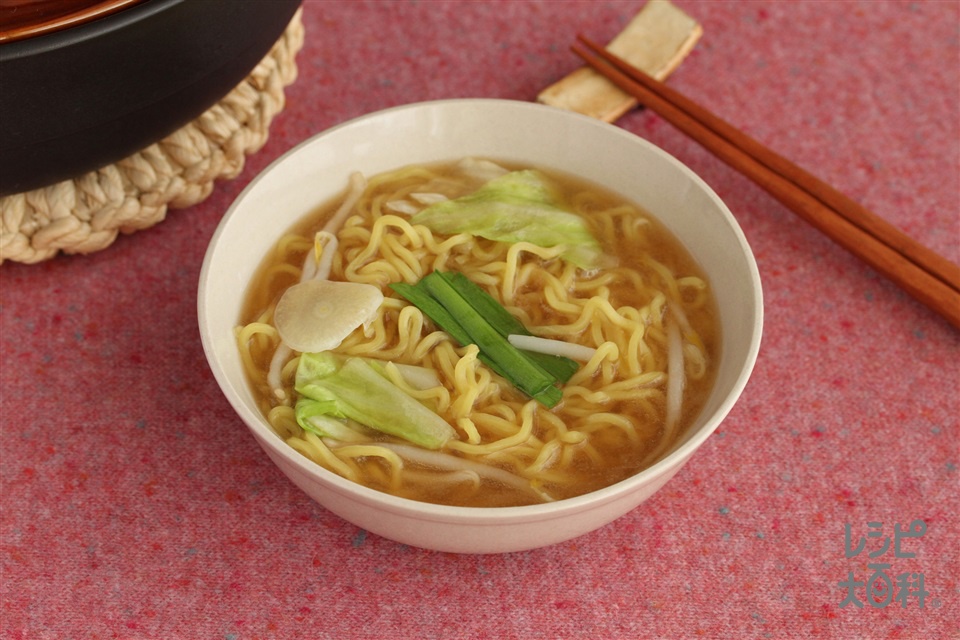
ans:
x=528 y=133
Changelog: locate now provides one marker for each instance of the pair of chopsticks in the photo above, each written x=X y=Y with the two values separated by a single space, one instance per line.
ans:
x=928 y=277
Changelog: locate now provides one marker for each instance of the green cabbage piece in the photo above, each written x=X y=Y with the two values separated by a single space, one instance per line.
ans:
x=315 y=416
x=520 y=206
x=353 y=388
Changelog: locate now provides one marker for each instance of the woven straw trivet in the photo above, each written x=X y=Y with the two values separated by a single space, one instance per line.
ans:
x=87 y=213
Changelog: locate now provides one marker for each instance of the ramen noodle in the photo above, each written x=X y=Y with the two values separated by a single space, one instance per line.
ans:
x=642 y=321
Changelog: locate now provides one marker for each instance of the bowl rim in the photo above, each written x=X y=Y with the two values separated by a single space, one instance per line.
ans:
x=486 y=515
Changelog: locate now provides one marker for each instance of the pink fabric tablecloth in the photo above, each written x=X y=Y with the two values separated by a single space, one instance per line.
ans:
x=136 y=505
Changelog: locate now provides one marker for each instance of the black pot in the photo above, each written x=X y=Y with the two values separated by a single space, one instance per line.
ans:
x=81 y=98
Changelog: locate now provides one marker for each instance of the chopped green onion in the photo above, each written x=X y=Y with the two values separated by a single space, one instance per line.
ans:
x=487 y=306
x=471 y=316
x=422 y=299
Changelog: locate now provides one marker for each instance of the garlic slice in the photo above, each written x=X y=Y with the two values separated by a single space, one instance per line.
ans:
x=316 y=315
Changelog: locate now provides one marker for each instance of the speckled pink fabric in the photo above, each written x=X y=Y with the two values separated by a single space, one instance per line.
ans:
x=135 y=504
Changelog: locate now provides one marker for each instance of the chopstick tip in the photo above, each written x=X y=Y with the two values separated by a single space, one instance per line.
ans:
x=590 y=44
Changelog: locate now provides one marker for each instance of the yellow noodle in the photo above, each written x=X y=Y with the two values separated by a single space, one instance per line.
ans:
x=521 y=436
x=554 y=296
x=615 y=398
x=567 y=455
x=373 y=451
x=436 y=397
x=312 y=447
x=284 y=421
x=289 y=370
x=546 y=455
x=573 y=437
x=508 y=286
x=469 y=382
x=467 y=426
x=246 y=334
x=601 y=420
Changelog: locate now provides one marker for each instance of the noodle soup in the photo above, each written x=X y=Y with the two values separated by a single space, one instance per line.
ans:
x=642 y=317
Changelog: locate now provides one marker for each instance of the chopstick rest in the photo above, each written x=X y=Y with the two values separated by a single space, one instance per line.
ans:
x=656 y=40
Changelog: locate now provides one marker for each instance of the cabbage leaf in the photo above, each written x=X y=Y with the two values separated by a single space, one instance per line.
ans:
x=520 y=206
x=354 y=389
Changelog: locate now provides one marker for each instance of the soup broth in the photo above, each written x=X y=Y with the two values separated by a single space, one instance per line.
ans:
x=614 y=418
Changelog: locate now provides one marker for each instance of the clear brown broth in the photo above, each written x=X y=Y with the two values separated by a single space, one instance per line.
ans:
x=620 y=455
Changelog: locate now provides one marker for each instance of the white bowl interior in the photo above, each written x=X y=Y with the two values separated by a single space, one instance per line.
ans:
x=521 y=132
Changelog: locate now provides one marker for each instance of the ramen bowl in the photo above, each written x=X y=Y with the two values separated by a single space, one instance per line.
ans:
x=522 y=133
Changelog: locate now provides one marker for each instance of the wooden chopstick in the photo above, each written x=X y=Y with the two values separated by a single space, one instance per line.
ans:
x=927 y=276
